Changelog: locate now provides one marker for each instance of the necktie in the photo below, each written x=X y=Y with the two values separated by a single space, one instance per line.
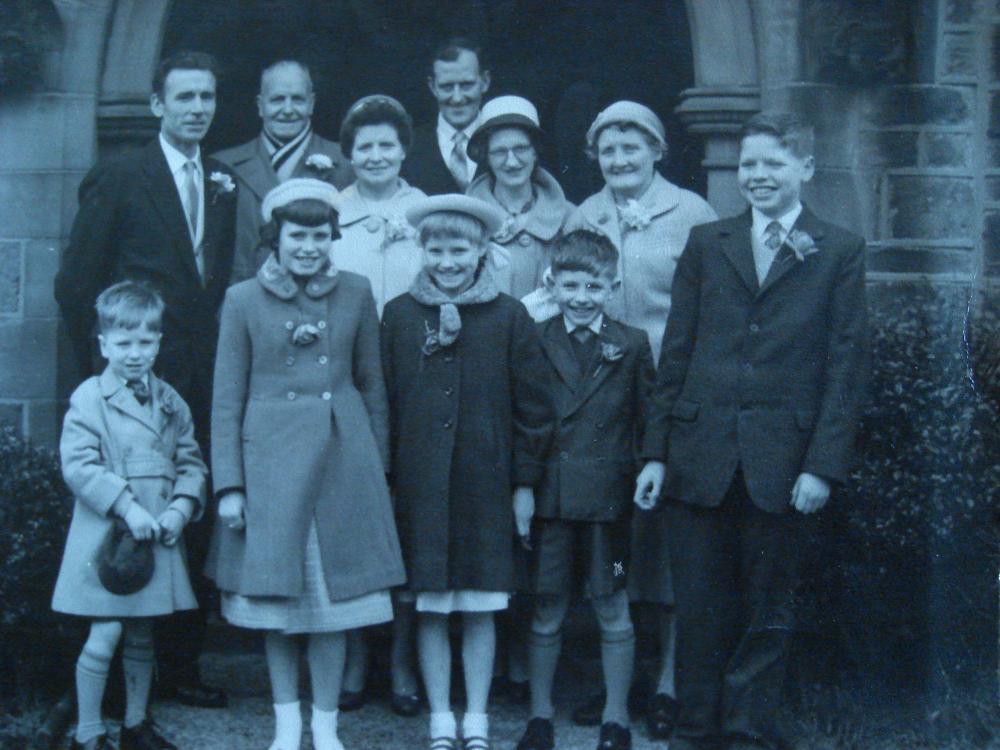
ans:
x=190 y=193
x=772 y=236
x=582 y=339
x=140 y=390
x=458 y=164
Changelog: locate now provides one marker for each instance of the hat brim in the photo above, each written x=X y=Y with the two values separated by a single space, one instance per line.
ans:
x=457 y=203
x=478 y=141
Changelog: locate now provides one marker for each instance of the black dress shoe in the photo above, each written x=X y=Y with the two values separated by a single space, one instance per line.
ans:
x=196 y=694
x=538 y=735
x=614 y=737
x=405 y=704
x=662 y=716
x=143 y=736
x=352 y=700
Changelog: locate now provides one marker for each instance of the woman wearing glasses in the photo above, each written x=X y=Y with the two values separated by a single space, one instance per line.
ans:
x=508 y=143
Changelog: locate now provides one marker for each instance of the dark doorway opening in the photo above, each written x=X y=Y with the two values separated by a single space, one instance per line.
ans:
x=570 y=57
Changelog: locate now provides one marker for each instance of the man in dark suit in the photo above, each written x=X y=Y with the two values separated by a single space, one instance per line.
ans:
x=286 y=147
x=162 y=216
x=759 y=393
x=438 y=161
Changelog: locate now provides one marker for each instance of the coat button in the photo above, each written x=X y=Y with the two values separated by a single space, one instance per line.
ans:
x=290 y=361
x=448 y=391
x=747 y=367
x=524 y=240
x=321 y=325
x=322 y=359
x=326 y=395
x=447 y=424
x=291 y=395
x=314 y=287
x=289 y=325
x=754 y=328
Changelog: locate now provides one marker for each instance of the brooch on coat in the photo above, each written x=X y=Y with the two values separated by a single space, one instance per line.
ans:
x=304 y=334
x=609 y=353
x=221 y=184
x=801 y=244
x=634 y=215
x=449 y=325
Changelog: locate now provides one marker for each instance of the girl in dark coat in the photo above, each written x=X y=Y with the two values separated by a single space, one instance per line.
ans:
x=471 y=421
x=305 y=542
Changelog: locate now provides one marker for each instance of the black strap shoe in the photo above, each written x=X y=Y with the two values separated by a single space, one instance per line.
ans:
x=614 y=737
x=538 y=735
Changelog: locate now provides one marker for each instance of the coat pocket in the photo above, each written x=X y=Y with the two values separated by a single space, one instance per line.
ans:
x=685 y=411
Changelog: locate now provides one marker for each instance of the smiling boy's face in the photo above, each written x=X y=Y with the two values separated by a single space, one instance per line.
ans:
x=451 y=262
x=582 y=295
x=771 y=175
x=130 y=352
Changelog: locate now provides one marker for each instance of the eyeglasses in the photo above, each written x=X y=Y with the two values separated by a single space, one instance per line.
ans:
x=520 y=152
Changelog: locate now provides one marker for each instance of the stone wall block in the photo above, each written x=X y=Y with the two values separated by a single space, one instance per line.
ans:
x=41 y=261
x=993 y=130
x=946 y=149
x=931 y=207
x=991 y=242
x=893 y=259
x=888 y=148
x=993 y=152
x=31 y=204
x=27 y=359
x=995 y=68
x=959 y=56
x=993 y=188
x=959 y=11
x=10 y=277
x=919 y=105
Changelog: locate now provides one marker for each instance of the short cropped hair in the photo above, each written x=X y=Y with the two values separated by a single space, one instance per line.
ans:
x=450 y=49
x=451 y=225
x=183 y=60
x=584 y=250
x=129 y=305
x=308 y=212
x=376 y=110
x=287 y=62
x=792 y=132
x=621 y=127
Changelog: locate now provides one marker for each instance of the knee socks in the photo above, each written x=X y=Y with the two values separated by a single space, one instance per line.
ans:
x=617 y=660
x=137 y=663
x=543 y=655
x=91 y=679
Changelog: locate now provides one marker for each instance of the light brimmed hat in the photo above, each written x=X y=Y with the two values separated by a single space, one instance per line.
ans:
x=457 y=203
x=298 y=188
x=504 y=111
x=632 y=113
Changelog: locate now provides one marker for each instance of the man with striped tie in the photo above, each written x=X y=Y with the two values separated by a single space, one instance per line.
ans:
x=286 y=147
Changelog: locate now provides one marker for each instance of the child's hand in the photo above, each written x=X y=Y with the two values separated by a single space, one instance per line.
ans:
x=648 y=485
x=231 y=510
x=524 y=509
x=140 y=523
x=172 y=523
x=810 y=493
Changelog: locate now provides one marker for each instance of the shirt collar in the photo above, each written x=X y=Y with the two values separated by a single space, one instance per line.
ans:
x=787 y=221
x=175 y=159
x=446 y=131
x=595 y=324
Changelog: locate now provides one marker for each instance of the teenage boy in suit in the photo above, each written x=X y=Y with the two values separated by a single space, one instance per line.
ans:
x=602 y=375
x=758 y=397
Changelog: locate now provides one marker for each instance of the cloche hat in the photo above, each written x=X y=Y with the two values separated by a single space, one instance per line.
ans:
x=500 y=112
x=463 y=204
x=632 y=113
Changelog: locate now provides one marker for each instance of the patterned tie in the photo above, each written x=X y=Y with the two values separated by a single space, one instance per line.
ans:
x=190 y=192
x=772 y=236
x=458 y=164
x=140 y=390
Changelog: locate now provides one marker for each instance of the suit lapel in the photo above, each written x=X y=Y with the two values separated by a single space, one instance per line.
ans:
x=121 y=398
x=598 y=370
x=785 y=261
x=256 y=171
x=735 y=245
x=167 y=203
x=556 y=345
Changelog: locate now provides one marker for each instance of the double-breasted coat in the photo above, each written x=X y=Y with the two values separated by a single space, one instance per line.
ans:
x=251 y=164
x=648 y=255
x=470 y=422
x=111 y=444
x=528 y=237
x=590 y=474
x=770 y=377
x=304 y=431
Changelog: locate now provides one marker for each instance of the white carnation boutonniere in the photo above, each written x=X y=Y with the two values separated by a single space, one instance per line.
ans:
x=305 y=334
x=167 y=405
x=801 y=244
x=319 y=162
x=222 y=184
x=634 y=215
x=397 y=228
x=610 y=353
